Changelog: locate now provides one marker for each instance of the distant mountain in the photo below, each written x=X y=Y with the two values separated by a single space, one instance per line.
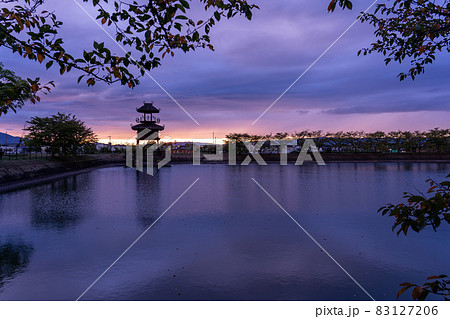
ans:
x=12 y=140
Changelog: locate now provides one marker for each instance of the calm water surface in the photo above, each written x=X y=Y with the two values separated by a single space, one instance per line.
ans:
x=224 y=240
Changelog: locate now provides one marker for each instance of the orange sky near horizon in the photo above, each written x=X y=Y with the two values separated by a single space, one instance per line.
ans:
x=253 y=64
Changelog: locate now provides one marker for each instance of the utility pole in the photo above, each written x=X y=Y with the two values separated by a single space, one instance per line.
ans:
x=109 y=144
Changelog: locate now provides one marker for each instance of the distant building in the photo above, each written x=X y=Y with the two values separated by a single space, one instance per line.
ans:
x=8 y=148
x=182 y=147
x=19 y=149
x=119 y=147
x=100 y=146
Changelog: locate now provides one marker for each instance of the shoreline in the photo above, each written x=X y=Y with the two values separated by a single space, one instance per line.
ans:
x=17 y=174
x=25 y=183
x=21 y=174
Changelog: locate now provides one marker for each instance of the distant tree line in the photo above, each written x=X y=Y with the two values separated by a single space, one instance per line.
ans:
x=435 y=140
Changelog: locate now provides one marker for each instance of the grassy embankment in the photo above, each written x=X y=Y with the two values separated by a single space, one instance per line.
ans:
x=27 y=171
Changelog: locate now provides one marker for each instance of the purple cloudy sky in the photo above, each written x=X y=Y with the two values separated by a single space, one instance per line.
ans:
x=254 y=62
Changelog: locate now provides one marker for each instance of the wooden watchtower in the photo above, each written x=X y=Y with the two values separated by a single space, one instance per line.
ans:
x=147 y=121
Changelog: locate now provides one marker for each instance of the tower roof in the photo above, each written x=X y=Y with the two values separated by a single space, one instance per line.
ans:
x=148 y=126
x=147 y=108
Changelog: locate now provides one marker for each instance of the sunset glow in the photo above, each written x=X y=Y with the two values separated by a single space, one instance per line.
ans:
x=254 y=62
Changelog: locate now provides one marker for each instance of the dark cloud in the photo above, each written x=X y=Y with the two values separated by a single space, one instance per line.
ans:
x=253 y=64
x=362 y=109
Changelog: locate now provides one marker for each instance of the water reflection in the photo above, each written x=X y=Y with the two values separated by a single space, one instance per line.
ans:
x=224 y=240
x=147 y=195
x=14 y=258
x=61 y=204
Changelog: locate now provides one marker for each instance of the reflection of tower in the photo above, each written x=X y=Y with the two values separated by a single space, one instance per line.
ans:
x=148 y=195
x=146 y=121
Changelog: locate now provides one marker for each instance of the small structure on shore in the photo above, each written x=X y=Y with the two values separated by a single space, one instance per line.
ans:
x=147 y=122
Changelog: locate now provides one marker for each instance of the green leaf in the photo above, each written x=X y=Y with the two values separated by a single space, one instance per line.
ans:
x=184 y=3
x=349 y=5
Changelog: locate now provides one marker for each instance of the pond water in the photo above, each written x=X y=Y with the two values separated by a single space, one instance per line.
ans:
x=225 y=239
